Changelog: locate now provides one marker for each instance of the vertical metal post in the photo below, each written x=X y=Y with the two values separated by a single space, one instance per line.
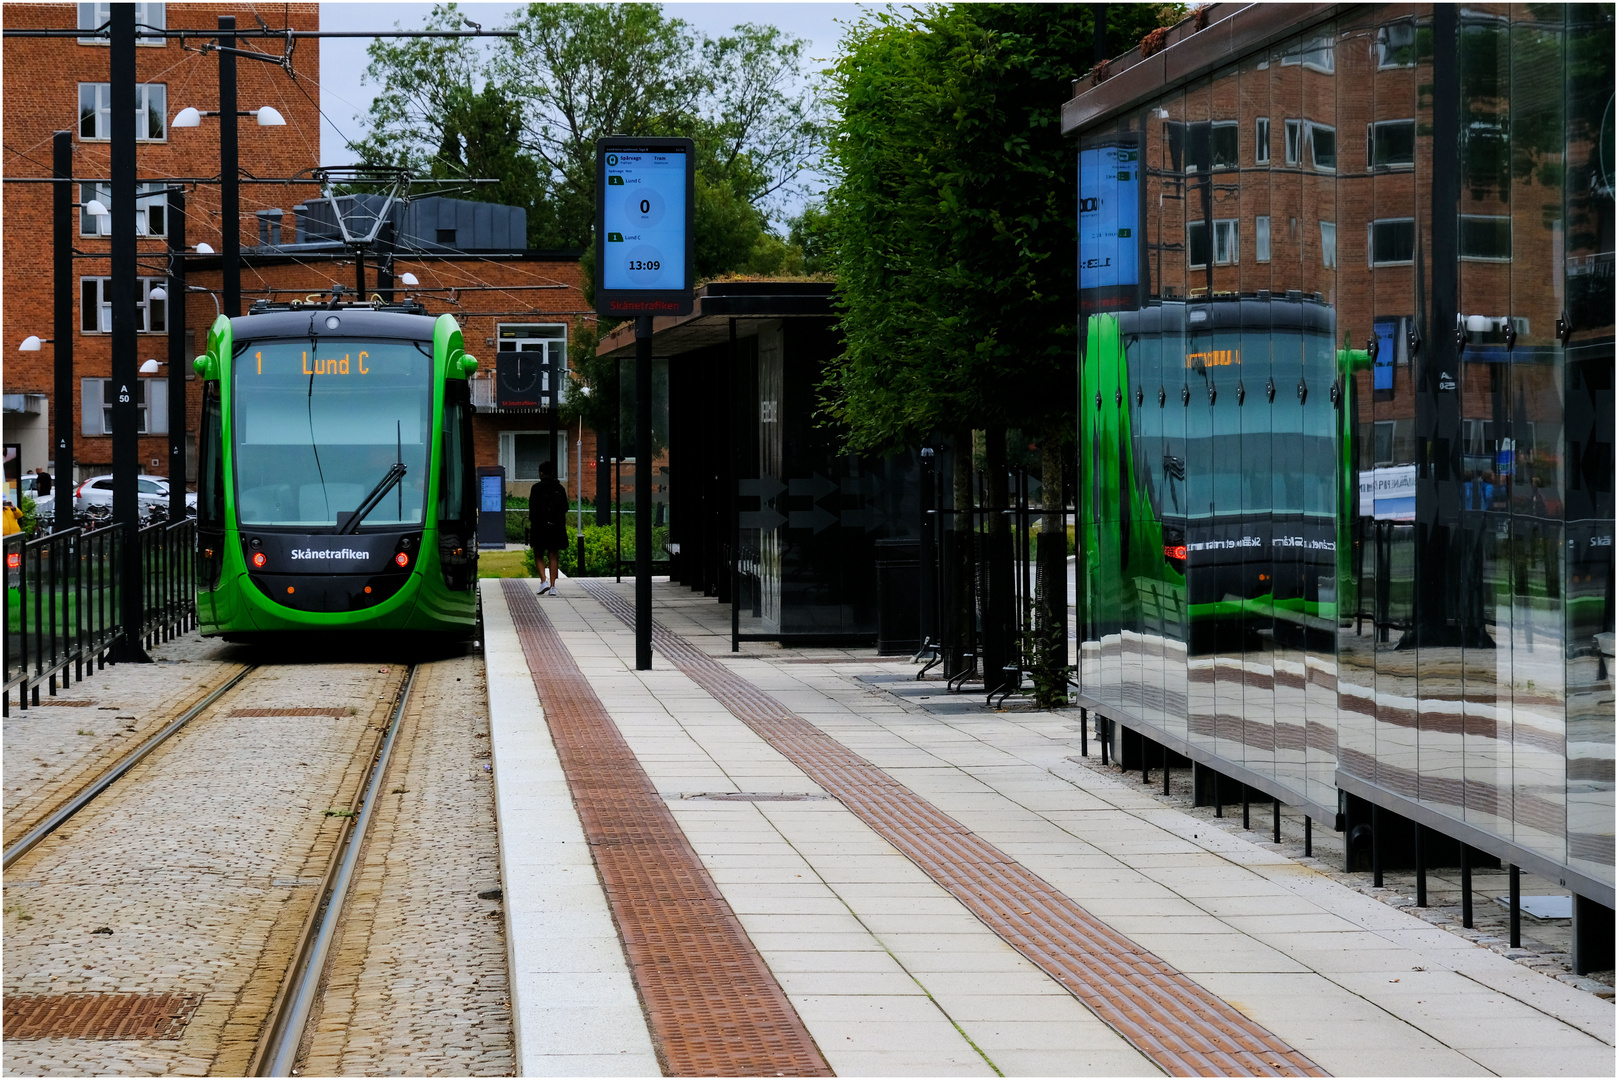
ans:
x=735 y=498
x=643 y=493
x=1466 y=886
x=1145 y=770
x=125 y=378
x=359 y=278
x=1308 y=837
x=175 y=308
x=1084 y=732
x=929 y=572
x=1219 y=793
x=1376 y=845
x=1165 y=769
x=1102 y=733
x=1247 y=808
x=230 y=196
x=1421 y=865
x=1516 y=907
x=1276 y=810
x=62 y=321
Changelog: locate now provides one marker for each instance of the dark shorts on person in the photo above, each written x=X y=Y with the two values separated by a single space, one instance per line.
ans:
x=550 y=538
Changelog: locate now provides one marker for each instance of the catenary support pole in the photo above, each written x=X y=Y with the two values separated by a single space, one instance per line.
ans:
x=125 y=378
x=62 y=322
x=174 y=308
x=230 y=195
x=643 y=493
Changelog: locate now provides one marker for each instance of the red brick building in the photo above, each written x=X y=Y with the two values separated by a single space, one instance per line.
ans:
x=61 y=84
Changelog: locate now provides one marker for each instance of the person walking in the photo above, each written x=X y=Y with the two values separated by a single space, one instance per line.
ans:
x=547 y=523
x=42 y=486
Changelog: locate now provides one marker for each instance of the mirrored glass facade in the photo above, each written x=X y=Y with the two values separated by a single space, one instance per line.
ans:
x=1346 y=420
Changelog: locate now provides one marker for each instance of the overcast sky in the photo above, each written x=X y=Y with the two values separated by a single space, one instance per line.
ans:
x=344 y=99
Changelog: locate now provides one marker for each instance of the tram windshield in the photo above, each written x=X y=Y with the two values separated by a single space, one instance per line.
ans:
x=318 y=423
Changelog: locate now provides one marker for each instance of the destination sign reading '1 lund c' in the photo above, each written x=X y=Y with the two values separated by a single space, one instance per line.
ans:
x=645 y=194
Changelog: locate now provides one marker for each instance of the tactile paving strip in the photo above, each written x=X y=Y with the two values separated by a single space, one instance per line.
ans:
x=715 y=1008
x=98 y=1016
x=1180 y=1026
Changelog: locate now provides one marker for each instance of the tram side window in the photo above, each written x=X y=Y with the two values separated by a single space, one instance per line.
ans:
x=455 y=498
x=210 y=465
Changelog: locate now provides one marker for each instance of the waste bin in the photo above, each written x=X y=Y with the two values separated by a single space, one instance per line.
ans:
x=898 y=597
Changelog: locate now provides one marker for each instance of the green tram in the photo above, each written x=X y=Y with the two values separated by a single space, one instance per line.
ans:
x=1213 y=463
x=336 y=485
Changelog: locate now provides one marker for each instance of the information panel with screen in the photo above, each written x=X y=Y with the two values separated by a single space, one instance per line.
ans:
x=644 y=217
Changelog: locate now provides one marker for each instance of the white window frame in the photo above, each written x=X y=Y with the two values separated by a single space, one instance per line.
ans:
x=508 y=456
x=1234 y=128
x=154 y=15
x=1328 y=244
x=1315 y=128
x=1370 y=242
x=1384 y=45
x=147 y=207
x=103 y=306
x=100 y=106
x=1293 y=150
x=1510 y=242
x=1261 y=238
x=1261 y=140
x=1370 y=146
x=1316 y=53
x=1227 y=230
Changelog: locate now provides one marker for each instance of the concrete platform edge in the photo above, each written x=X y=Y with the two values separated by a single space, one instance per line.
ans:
x=542 y=845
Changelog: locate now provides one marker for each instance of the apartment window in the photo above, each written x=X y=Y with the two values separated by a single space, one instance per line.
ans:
x=1328 y=244
x=1261 y=140
x=151 y=396
x=1390 y=144
x=1225 y=245
x=1315 y=53
x=95 y=306
x=151 y=111
x=1294 y=136
x=1391 y=241
x=151 y=210
x=92 y=16
x=1486 y=236
x=1222 y=143
x=1261 y=238
x=1396 y=45
x=1323 y=147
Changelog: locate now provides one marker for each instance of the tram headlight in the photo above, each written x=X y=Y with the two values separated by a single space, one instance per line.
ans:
x=402 y=559
x=259 y=559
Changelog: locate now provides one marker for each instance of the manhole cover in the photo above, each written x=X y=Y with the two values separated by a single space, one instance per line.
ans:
x=98 y=1016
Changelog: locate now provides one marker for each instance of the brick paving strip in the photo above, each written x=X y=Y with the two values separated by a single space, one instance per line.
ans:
x=1180 y=1026
x=714 y=1006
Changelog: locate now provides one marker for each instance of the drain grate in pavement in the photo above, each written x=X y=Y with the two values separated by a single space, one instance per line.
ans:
x=1183 y=1028
x=335 y=710
x=98 y=1016
x=714 y=1007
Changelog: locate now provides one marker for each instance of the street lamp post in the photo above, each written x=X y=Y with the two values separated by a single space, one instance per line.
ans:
x=230 y=198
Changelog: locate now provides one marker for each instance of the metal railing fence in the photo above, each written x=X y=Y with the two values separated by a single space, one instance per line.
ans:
x=62 y=614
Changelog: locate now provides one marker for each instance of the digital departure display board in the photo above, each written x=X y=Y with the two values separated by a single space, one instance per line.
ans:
x=644 y=201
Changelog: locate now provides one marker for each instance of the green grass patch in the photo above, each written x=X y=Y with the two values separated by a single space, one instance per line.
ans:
x=501 y=564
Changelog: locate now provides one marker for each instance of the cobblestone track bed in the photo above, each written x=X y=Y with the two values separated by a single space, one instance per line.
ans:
x=52 y=753
x=1182 y=1028
x=714 y=1007
x=202 y=862
x=417 y=984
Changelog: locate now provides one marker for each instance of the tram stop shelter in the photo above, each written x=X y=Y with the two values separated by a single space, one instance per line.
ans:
x=766 y=513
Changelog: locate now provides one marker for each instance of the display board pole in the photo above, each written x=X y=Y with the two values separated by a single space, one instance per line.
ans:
x=643 y=493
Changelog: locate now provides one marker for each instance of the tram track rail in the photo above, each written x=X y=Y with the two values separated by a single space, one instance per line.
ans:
x=95 y=788
x=280 y=1044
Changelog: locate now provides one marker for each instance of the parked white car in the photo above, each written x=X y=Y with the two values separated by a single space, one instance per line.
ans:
x=151 y=490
